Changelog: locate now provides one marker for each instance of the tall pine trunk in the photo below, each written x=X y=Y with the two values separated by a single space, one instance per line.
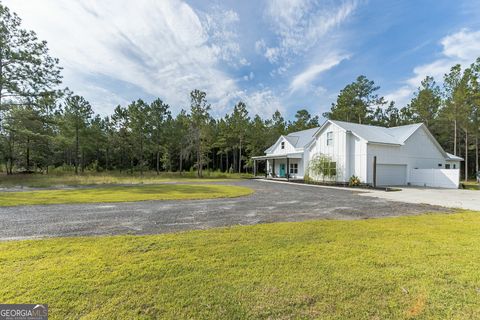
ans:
x=181 y=161
x=455 y=137
x=76 y=149
x=240 y=158
x=28 y=154
x=141 y=156
x=476 y=154
x=106 y=158
x=227 y=162
x=466 y=155
x=158 y=161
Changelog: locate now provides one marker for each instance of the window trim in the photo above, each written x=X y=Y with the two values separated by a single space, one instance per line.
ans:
x=293 y=168
x=330 y=138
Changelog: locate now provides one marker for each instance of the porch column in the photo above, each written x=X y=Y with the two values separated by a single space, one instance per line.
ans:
x=288 y=169
x=254 y=168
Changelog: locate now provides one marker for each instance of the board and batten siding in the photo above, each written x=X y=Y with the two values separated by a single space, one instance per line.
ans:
x=417 y=152
x=357 y=157
x=337 y=151
x=278 y=148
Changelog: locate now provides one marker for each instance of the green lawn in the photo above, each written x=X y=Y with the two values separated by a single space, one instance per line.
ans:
x=93 y=178
x=471 y=185
x=123 y=194
x=421 y=267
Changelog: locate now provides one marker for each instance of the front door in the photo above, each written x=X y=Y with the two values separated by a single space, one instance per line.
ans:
x=282 y=169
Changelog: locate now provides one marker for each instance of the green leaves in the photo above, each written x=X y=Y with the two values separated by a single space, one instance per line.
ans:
x=355 y=102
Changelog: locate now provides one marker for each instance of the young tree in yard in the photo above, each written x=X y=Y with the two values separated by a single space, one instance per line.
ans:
x=158 y=115
x=199 y=131
x=77 y=114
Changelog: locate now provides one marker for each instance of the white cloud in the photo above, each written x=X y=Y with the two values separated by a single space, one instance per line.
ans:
x=301 y=24
x=164 y=48
x=263 y=102
x=304 y=79
x=401 y=96
x=462 y=48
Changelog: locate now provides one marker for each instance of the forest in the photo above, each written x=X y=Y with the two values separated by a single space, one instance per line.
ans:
x=47 y=128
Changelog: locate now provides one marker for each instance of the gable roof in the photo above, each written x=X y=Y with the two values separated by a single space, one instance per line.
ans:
x=298 y=140
x=376 y=134
x=302 y=138
x=394 y=135
x=454 y=157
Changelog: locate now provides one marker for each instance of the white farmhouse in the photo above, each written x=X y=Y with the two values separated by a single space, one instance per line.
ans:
x=391 y=156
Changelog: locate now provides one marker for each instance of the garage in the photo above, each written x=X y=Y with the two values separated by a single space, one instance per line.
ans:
x=391 y=174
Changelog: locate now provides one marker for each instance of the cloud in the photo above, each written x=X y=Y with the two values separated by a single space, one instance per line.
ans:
x=462 y=47
x=304 y=79
x=263 y=102
x=401 y=96
x=301 y=24
x=164 y=48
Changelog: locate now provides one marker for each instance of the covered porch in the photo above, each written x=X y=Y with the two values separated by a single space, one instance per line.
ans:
x=283 y=167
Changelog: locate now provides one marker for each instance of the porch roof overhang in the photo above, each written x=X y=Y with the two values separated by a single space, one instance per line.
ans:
x=297 y=155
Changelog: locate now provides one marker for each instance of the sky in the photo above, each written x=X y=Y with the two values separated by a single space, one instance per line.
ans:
x=281 y=55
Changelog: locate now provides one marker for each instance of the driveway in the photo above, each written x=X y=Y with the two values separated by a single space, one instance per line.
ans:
x=271 y=202
x=452 y=198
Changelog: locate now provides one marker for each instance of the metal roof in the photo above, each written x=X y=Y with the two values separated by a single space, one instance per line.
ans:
x=375 y=134
x=300 y=139
x=454 y=157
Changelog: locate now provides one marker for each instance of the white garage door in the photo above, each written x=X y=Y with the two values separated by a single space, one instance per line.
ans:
x=391 y=174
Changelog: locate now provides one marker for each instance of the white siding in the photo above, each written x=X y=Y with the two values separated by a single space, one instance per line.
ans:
x=298 y=175
x=278 y=148
x=336 y=151
x=439 y=178
x=418 y=152
x=357 y=157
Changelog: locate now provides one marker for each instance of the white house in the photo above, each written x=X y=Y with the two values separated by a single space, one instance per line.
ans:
x=393 y=156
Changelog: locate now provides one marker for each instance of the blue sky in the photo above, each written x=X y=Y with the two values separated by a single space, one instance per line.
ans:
x=284 y=54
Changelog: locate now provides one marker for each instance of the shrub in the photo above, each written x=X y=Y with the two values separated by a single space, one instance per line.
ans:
x=354 y=181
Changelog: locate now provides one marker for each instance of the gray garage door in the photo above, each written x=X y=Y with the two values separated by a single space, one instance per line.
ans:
x=391 y=174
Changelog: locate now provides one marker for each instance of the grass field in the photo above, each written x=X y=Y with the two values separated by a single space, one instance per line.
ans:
x=92 y=178
x=123 y=194
x=471 y=185
x=418 y=267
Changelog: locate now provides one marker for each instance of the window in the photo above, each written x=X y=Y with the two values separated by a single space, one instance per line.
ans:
x=439 y=164
x=454 y=166
x=293 y=168
x=329 y=138
x=282 y=145
x=333 y=169
x=447 y=166
x=330 y=169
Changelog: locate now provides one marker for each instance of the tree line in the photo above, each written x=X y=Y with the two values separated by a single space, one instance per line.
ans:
x=44 y=127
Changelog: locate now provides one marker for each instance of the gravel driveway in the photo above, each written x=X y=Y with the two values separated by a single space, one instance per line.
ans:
x=271 y=202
